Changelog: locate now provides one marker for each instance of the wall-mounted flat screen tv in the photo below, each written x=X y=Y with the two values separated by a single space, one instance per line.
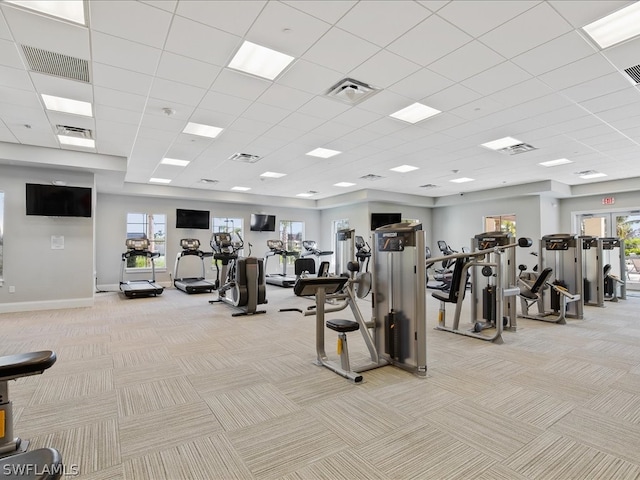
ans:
x=58 y=201
x=192 y=218
x=381 y=219
x=262 y=223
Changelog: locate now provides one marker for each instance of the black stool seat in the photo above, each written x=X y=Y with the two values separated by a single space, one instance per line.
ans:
x=23 y=364
x=40 y=464
x=343 y=325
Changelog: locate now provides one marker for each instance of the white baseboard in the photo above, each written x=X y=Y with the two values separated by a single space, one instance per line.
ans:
x=46 y=305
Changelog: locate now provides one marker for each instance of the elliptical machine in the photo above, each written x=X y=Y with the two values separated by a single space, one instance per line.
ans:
x=241 y=281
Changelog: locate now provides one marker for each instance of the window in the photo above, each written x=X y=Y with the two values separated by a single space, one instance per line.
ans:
x=291 y=235
x=154 y=227
x=500 y=223
x=232 y=226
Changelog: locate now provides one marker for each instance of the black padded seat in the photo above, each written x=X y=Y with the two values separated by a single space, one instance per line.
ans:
x=451 y=295
x=23 y=364
x=40 y=464
x=532 y=293
x=343 y=326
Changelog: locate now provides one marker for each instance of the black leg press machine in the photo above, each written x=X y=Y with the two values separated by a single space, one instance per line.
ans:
x=15 y=461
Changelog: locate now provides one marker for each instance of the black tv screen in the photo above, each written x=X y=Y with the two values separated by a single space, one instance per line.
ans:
x=263 y=223
x=58 y=201
x=192 y=219
x=382 y=219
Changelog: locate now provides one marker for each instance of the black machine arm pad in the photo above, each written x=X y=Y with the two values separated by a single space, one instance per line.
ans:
x=23 y=364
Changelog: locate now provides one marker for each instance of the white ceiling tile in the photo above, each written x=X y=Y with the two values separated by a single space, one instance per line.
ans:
x=370 y=20
x=230 y=16
x=624 y=55
x=556 y=53
x=584 y=12
x=9 y=55
x=611 y=101
x=285 y=29
x=176 y=92
x=187 y=70
x=208 y=117
x=450 y=98
x=331 y=51
x=15 y=78
x=323 y=107
x=61 y=87
x=480 y=16
x=110 y=114
x=597 y=87
x=310 y=77
x=4 y=28
x=497 y=78
x=528 y=30
x=477 y=109
x=301 y=122
x=130 y=20
x=223 y=103
x=240 y=85
x=124 y=54
x=284 y=97
x=383 y=69
x=47 y=33
x=583 y=70
x=385 y=103
x=420 y=84
x=466 y=61
x=195 y=40
x=166 y=5
x=121 y=79
x=522 y=92
x=330 y=12
x=118 y=99
x=265 y=113
x=430 y=40
x=20 y=98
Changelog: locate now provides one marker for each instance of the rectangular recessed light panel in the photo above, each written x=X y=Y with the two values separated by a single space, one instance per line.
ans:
x=202 y=130
x=501 y=143
x=67 y=105
x=343 y=184
x=323 y=153
x=462 y=180
x=160 y=180
x=77 y=142
x=404 y=168
x=593 y=175
x=72 y=10
x=415 y=113
x=304 y=195
x=240 y=189
x=175 y=161
x=555 y=163
x=616 y=27
x=260 y=61
x=273 y=175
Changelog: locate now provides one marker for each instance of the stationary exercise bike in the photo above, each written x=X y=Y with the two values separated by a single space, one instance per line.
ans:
x=241 y=281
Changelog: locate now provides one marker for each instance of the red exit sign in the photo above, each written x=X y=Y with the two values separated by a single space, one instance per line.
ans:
x=608 y=200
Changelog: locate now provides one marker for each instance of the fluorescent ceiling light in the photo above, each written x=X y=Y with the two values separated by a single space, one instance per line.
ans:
x=77 y=142
x=501 y=143
x=66 y=105
x=202 y=130
x=415 y=113
x=307 y=194
x=260 y=61
x=343 y=184
x=160 y=180
x=616 y=27
x=273 y=175
x=240 y=189
x=404 y=168
x=462 y=180
x=72 y=10
x=323 y=153
x=593 y=175
x=555 y=163
x=175 y=161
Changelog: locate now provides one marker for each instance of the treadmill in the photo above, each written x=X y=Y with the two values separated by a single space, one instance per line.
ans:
x=191 y=248
x=139 y=247
x=276 y=247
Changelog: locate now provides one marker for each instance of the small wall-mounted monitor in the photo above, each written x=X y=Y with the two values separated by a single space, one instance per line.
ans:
x=382 y=219
x=192 y=219
x=262 y=223
x=58 y=201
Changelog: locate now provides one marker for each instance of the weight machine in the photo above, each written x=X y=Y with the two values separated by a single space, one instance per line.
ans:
x=614 y=268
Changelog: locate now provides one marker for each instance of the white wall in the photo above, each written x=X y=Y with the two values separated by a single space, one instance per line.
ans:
x=112 y=221
x=569 y=207
x=44 y=277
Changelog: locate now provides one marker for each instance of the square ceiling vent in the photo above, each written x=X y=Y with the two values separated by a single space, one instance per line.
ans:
x=56 y=64
x=371 y=177
x=244 y=157
x=634 y=73
x=517 y=149
x=76 y=132
x=351 y=91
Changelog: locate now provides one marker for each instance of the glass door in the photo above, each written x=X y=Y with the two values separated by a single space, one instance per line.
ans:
x=624 y=225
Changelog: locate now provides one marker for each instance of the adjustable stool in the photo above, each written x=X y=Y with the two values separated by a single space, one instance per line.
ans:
x=11 y=368
x=343 y=327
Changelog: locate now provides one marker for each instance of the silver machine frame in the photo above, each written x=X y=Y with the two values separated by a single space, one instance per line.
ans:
x=345 y=249
x=500 y=259
x=563 y=254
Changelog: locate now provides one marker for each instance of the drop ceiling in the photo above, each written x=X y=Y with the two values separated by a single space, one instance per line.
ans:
x=523 y=69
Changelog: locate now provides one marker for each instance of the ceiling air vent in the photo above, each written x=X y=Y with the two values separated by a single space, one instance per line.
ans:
x=76 y=132
x=428 y=185
x=351 y=91
x=208 y=181
x=371 y=177
x=56 y=64
x=634 y=73
x=244 y=157
x=516 y=149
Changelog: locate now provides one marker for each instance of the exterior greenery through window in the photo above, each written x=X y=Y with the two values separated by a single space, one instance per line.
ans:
x=291 y=234
x=152 y=226
x=500 y=223
x=231 y=226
